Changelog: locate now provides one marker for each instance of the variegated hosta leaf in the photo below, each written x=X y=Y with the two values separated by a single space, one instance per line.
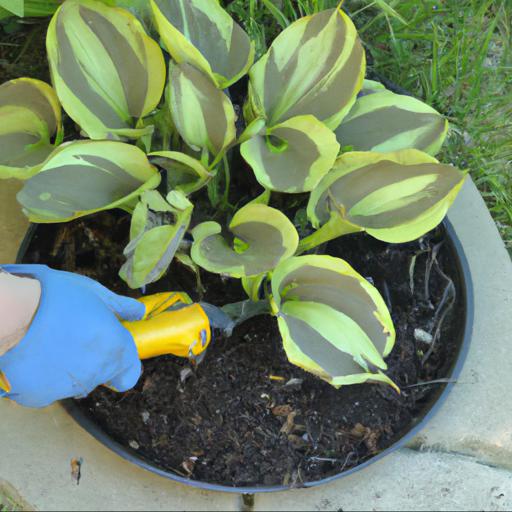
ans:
x=86 y=177
x=333 y=322
x=252 y=286
x=204 y=116
x=396 y=197
x=203 y=34
x=384 y=121
x=315 y=66
x=157 y=229
x=292 y=156
x=369 y=87
x=30 y=126
x=184 y=173
x=107 y=72
x=260 y=237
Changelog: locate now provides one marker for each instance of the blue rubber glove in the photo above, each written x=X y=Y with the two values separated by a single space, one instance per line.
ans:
x=75 y=342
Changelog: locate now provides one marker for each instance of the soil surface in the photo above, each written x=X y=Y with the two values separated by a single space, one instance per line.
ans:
x=246 y=416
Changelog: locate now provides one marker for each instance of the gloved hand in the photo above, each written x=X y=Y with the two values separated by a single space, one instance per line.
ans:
x=75 y=342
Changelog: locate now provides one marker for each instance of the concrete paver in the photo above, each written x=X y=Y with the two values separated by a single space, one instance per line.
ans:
x=13 y=224
x=36 y=450
x=406 y=480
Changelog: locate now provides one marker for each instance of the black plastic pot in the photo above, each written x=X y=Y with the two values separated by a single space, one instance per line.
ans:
x=466 y=290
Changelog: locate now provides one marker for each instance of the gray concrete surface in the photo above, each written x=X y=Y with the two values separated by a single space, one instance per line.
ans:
x=13 y=224
x=406 y=480
x=448 y=467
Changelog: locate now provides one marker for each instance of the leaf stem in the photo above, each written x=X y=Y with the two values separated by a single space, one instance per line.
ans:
x=333 y=228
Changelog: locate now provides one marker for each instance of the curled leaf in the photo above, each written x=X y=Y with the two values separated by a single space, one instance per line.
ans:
x=292 y=156
x=84 y=177
x=30 y=126
x=333 y=322
x=396 y=197
x=203 y=34
x=260 y=237
x=203 y=115
x=157 y=229
x=184 y=173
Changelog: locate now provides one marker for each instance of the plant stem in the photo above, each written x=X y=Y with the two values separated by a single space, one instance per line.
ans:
x=333 y=228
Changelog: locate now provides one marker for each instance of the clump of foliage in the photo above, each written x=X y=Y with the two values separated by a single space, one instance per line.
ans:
x=347 y=153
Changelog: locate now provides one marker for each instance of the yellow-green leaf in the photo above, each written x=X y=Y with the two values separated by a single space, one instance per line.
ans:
x=396 y=197
x=333 y=322
x=292 y=156
x=85 y=177
x=184 y=173
x=384 y=121
x=108 y=73
x=201 y=33
x=154 y=238
x=30 y=126
x=314 y=67
x=203 y=115
x=260 y=238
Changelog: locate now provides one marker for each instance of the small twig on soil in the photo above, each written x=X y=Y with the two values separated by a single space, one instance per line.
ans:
x=445 y=305
x=437 y=381
x=430 y=262
x=323 y=459
x=412 y=268
x=347 y=460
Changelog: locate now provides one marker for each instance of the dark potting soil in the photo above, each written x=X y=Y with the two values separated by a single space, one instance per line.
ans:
x=246 y=416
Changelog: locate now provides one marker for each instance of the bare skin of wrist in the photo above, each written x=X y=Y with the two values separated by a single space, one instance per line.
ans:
x=19 y=300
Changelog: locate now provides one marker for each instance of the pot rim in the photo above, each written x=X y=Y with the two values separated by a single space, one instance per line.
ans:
x=464 y=271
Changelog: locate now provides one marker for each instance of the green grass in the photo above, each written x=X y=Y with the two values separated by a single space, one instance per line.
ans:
x=7 y=504
x=457 y=56
x=454 y=54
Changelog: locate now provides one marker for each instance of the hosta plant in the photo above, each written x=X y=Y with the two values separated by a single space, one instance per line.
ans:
x=161 y=131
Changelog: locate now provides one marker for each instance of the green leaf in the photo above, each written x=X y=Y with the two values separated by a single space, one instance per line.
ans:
x=30 y=126
x=108 y=73
x=203 y=115
x=384 y=121
x=201 y=33
x=17 y=7
x=395 y=197
x=157 y=229
x=281 y=19
x=371 y=86
x=389 y=11
x=333 y=322
x=260 y=237
x=306 y=151
x=314 y=67
x=184 y=172
x=252 y=286
x=85 y=177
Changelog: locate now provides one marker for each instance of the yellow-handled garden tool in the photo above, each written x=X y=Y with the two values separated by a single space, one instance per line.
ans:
x=174 y=325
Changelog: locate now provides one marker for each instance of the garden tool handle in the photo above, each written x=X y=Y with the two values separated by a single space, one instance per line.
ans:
x=172 y=325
